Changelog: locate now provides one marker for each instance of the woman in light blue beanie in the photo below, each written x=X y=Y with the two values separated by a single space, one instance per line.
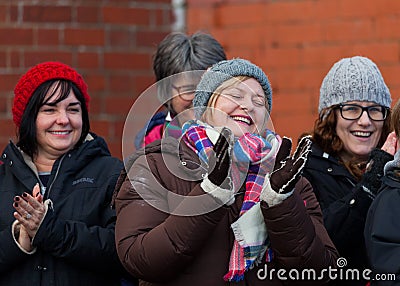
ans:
x=227 y=201
x=354 y=121
x=226 y=70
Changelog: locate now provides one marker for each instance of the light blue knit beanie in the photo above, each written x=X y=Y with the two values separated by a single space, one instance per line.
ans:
x=353 y=79
x=223 y=71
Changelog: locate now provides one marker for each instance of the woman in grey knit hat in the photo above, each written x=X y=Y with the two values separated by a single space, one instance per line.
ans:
x=225 y=203
x=353 y=123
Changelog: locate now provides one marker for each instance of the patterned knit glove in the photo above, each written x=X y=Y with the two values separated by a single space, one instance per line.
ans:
x=287 y=171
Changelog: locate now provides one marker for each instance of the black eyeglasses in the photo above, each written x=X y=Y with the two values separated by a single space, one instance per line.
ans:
x=186 y=92
x=355 y=111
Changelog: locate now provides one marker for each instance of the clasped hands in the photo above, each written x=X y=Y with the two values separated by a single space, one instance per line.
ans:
x=29 y=212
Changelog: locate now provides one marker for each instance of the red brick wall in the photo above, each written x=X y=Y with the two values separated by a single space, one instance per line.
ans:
x=297 y=41
x=110 y=43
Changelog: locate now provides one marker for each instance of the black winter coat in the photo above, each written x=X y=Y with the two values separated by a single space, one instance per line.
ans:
x=382 y=230
x=75 y=243
x=344 y=205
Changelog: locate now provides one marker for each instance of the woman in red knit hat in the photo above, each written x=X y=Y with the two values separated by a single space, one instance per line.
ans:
x=56 y=184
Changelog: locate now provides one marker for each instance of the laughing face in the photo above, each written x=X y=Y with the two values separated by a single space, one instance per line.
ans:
x=241 y=107
x=58 y=126
x=359 y=136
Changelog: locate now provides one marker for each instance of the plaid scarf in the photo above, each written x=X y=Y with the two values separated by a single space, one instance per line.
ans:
x=254 y=156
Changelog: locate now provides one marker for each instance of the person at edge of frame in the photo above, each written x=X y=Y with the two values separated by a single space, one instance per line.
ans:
x=382 y=224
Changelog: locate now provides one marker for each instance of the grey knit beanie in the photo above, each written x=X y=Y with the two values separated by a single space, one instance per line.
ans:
x=353 y=79
x=223 y=71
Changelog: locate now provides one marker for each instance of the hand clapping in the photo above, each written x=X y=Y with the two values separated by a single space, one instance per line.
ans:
x=29 y=211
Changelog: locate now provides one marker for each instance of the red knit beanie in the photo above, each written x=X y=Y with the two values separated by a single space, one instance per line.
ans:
x=39 y=74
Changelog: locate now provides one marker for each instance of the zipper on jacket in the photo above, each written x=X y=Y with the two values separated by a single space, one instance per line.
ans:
x=350 y=181
x=55 y=177
x=35 y=173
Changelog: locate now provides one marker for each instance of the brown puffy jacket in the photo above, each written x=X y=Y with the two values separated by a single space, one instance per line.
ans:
x=166 y=249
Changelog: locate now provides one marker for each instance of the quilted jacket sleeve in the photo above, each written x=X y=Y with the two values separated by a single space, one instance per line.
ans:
x=298 y=236
x=153 y=244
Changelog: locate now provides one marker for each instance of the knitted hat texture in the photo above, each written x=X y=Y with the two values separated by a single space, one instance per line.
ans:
x=353 y=79
x=36 y=76
x=223 y=71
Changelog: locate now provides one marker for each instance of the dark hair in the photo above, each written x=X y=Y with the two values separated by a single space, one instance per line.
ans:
x=396 y=118
x=27 y=130
x=179 y=52
x=324 y=135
